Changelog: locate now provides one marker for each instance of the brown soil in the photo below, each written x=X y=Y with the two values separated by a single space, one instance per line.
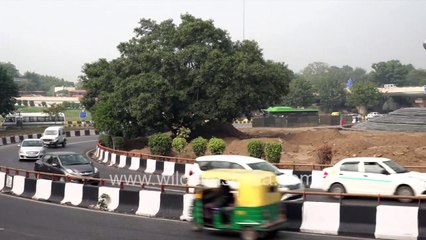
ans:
x=299 y=144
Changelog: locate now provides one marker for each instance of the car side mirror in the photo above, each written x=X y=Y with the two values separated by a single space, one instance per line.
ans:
x=384 y=172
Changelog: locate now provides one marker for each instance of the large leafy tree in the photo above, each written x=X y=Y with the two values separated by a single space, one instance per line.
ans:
x=364 y=95
x=416 y=77
x=182 y=75
x=392 y=71
x=8 y=91
x=10 y=69
x=301 y=93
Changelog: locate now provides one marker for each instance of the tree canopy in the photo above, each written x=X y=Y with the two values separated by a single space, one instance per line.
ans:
x=171 y=75
x=301 y=93
x=365 y=95
x=392 y=71
x=8 y=91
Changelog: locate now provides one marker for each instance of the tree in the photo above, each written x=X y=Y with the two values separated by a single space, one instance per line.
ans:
x=364 y=95
x=416 y=77
x=169 y=76
x=10 y=69
x=390 y=72
x=8 y=92
x=301 y=93
x=54 y=110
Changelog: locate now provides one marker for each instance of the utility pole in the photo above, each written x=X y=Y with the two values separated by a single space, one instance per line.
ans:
x=244 y=19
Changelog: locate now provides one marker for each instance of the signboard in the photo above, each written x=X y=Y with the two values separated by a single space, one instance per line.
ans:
x=9 y=181
x=83 y=114
x=349 y=83
x=424 y=89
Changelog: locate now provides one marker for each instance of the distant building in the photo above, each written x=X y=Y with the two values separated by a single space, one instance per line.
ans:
x=68 y=92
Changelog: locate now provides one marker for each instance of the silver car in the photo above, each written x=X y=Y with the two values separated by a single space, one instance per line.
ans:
x=31 y=149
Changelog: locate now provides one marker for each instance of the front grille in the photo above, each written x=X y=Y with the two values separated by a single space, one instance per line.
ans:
x=86 y=173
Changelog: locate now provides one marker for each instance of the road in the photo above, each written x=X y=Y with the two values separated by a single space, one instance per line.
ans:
x=31 y=220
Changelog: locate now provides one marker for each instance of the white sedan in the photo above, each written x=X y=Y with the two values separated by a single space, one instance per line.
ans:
x=31 y=149
x=287 y=181
x=373 y=175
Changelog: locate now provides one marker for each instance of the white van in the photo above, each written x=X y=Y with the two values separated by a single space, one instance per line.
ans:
x=54 y=136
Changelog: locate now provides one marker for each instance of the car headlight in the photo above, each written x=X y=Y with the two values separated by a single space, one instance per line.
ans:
x=21 y=152
x=69 y=170
x=95 y=169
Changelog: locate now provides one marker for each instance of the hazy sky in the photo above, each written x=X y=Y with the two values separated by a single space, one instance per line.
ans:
x=56 y=37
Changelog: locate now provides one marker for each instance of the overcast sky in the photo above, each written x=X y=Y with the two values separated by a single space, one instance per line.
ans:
x=56 y=37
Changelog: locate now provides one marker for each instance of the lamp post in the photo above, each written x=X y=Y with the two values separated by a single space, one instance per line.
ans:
x=424 y=44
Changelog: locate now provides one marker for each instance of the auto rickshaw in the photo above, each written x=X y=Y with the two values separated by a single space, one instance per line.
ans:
x=255 y=210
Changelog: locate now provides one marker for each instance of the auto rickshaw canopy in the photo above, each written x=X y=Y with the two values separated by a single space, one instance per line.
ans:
x=254 y=187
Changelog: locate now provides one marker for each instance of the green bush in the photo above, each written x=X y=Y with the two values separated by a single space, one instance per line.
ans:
x=105 y=140
x=216 y=146
x=256 y=148
x=19 y=102
x=183 y=132
x=118 y=143
x=179 y=144
x=32 y=104
x=44 y=104
x=25 y=103
x=199 y=146
x=160 y=144
x=273 y=152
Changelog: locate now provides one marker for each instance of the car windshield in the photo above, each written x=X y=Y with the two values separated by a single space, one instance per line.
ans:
x=34 y=143
x=395 y=166
x=50 y=132
x=265 y=167
x=73 y=159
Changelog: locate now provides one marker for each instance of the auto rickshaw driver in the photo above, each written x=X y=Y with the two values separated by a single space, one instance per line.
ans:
x=222 y=200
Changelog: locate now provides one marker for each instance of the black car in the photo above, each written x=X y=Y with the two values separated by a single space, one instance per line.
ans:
x=67 y=163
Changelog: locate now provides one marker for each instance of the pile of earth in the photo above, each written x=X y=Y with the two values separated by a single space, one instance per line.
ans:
x=402 y=120
x=299 y=144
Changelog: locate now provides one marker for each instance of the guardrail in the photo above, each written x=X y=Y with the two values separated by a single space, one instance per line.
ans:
x=162 y=187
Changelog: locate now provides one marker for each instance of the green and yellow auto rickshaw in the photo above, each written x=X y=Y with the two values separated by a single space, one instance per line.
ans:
x=238 y=200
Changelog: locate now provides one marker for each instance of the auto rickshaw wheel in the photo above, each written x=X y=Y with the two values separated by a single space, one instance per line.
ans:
x=249 y=234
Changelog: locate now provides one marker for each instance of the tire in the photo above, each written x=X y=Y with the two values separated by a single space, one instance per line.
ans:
x=404 y=191
x=64 y=143
x=56 y=145
x=249 y=234
x=337 y=188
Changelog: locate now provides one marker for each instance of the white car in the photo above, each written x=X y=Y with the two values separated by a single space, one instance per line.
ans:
x=372 y=115
x=54 y=136
x=31 y=149
x=204 y=163
x=373 y=175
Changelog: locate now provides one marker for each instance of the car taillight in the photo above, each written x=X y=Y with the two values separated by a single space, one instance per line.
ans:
x=191 y=172
x=325 y=175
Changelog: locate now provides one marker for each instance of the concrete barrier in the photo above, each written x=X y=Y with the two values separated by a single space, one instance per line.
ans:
x=43 y=189
x=73 y=193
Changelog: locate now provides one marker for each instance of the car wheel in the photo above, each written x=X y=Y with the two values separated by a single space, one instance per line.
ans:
x=249 y=234
x=195 y=226
x=404 y=191
x=64 y=143
x=337 y=188
x=56 y=145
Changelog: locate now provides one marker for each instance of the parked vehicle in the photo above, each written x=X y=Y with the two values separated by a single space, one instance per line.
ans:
x=204 y=163
x=372 y=115
x=67 y=163
x=54 y=136
x=373 y=175
x=31 y=149
x=254 y=208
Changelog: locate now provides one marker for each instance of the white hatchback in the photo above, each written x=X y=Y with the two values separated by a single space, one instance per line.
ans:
x=31 y=149
x=373 y=175
x=204 y=163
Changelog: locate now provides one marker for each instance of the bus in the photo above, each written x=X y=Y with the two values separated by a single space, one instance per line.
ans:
x=279 y=111
x=18 y=119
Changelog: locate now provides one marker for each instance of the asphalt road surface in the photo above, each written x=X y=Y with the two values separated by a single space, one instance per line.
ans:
x=23 y=219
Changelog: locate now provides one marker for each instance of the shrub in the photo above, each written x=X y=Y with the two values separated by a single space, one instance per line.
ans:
x=118 y=143
x=324 y=154
x=19 y=102
x=183 y=132
x=273 y=152
x=256 y=148
x=25 y=103
x=179 y=143
x=44 y=104
x=216 y=146
x=105 y=140
x=160 y=144
x=199 y=146
x=32 y=104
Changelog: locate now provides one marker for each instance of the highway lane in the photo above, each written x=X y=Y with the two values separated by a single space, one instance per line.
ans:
x=9 y=158
x=23 y=219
